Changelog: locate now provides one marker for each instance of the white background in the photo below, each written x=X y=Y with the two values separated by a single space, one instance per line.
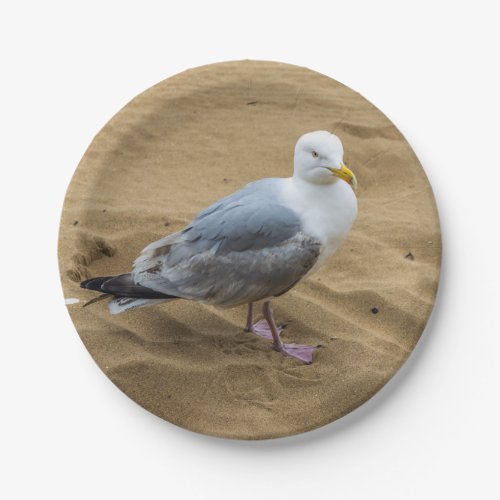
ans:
x=67 y=67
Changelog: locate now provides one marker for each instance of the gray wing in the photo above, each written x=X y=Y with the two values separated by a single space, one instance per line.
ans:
x=239 y=250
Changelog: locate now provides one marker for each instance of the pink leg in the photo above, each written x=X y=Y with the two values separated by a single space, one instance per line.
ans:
x=261 y=328
x=248 y=326
x=301 y=352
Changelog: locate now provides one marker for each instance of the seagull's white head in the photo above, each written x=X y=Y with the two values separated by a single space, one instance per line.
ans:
x=319 y=159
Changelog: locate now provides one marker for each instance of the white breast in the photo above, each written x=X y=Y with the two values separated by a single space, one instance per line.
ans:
x=327 y=212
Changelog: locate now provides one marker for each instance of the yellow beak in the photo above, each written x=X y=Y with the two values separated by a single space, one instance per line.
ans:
x=346 y=175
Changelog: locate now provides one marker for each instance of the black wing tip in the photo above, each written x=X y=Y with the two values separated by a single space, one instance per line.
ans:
x=95 y=283
x=122 y=286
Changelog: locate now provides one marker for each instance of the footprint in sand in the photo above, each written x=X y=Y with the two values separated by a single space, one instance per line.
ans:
x=90 y=248
x=305 y=375
x=252 y=384
x=239 y=345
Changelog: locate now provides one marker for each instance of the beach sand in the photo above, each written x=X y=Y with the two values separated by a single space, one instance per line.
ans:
x=201 y=135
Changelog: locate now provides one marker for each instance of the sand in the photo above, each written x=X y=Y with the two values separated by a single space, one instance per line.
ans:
x=201 y=135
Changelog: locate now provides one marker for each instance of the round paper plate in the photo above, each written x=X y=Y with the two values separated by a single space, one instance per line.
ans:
x=193 y=139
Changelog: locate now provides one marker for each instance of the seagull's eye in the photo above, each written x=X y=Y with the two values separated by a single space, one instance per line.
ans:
x=315 y=155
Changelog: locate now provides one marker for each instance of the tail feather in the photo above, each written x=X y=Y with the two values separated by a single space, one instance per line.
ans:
x=120 y=304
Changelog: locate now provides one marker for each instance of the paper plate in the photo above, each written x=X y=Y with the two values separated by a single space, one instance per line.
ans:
x=179 y=147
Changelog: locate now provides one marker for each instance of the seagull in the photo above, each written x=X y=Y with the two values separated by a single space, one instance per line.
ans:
x=255 y=244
